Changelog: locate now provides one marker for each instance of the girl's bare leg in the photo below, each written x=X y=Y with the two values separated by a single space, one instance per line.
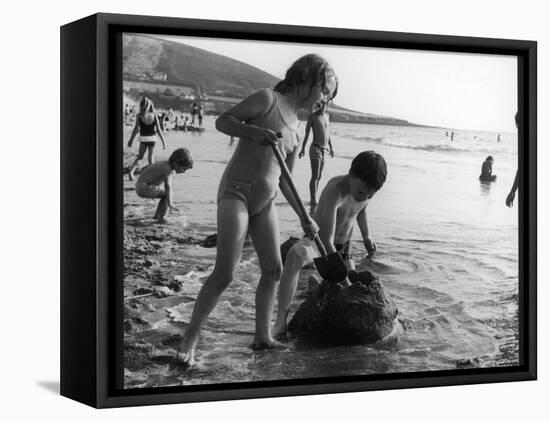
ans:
x=264 y=230
x=141 y=153
x=150 y=156
x=298 y=256
x=232 y=228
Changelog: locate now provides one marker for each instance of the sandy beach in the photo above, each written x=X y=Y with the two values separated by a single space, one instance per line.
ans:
x=454 y=280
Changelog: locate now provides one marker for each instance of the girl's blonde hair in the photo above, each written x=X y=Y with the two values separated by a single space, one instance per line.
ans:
x=310 y=70
x=146 y=105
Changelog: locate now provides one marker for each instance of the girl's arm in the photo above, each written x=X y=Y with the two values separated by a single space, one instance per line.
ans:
x=330 y=147
x=309 y=229
x=233 y=121
x=134 y=133
x=159 y=131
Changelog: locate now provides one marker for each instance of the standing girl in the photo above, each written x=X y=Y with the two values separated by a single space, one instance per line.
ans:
x=249 y=185
x=147 y=124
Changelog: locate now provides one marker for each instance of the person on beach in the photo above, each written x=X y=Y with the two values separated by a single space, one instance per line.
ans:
x=148 y=184
x=452 y=136
x=487 y=168
x=148 y=126
x=321 y=144
x=201 y=114
x=512 y=195
x=343 y=201
x=193 y=113
x=266 y=119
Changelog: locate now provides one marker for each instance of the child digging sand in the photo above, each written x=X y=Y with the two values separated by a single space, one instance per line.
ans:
x=152 y=177
x=344 y=199
x=248 y=188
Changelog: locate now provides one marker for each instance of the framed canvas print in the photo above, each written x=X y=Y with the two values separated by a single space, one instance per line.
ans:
x=253 y=210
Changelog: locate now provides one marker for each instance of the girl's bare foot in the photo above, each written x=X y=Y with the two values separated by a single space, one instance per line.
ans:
x=186 y=352
x=268 y=344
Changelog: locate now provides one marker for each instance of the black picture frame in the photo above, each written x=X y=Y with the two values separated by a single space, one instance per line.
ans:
x=91 y=217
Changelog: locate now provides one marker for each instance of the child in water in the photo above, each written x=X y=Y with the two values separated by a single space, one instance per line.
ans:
x=148 y=126
x=249 y=185
x=321 y=144
x=344 y=199
x=152 y=177
x=487 y=169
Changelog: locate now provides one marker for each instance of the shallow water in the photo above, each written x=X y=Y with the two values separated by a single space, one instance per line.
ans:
x=447 y=253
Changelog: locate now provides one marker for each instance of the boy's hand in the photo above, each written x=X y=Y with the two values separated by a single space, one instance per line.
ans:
x=310 y=228
x=370 y=246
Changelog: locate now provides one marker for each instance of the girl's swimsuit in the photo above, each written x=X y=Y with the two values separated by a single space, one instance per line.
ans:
x=252 y=174
x=147 y=133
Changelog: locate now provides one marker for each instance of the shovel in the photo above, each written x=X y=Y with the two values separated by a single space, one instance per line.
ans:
x=331 y=267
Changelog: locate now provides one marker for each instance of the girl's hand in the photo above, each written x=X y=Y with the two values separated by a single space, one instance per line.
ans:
x=301 y=154
x=268 y=137
x=370 y=246
x=310 y=228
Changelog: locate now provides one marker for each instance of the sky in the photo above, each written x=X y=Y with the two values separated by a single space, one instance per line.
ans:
x=451 y=90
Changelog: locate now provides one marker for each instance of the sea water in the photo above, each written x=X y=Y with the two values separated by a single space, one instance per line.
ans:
x=447 y=254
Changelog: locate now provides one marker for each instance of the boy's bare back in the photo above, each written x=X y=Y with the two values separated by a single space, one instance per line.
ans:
x=155 y=174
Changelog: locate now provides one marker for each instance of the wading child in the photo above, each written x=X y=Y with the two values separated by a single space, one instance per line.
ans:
x=249 y=185
x=321 y=144
x=149 y=183
x=148 y=126
x=343 y=200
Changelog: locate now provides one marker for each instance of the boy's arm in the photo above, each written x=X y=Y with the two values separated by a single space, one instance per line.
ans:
x=326 y=217
x=134 y=133
x=168 y=192
x=159 y=131
x=363 y=224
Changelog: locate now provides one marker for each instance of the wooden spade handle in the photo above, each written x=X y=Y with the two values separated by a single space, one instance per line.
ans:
x=302 y=210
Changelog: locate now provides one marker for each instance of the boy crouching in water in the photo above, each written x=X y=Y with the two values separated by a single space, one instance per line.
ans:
x=344 y=199
x=149 y=182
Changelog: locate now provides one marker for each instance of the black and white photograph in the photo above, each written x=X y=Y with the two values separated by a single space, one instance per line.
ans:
x=298 y=211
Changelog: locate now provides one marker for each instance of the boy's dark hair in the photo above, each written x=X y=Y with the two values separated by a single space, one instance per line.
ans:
x=371 y=168
x=181 y=157
x=307 y=70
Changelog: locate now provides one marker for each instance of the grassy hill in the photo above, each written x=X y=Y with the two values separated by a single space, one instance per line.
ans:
x=175 y=75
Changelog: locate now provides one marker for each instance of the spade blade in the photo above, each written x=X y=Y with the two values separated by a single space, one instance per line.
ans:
x=331 y=267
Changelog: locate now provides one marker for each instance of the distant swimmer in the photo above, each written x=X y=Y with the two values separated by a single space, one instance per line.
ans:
x=498 y=138
x=487 y=170
x=452 y=136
